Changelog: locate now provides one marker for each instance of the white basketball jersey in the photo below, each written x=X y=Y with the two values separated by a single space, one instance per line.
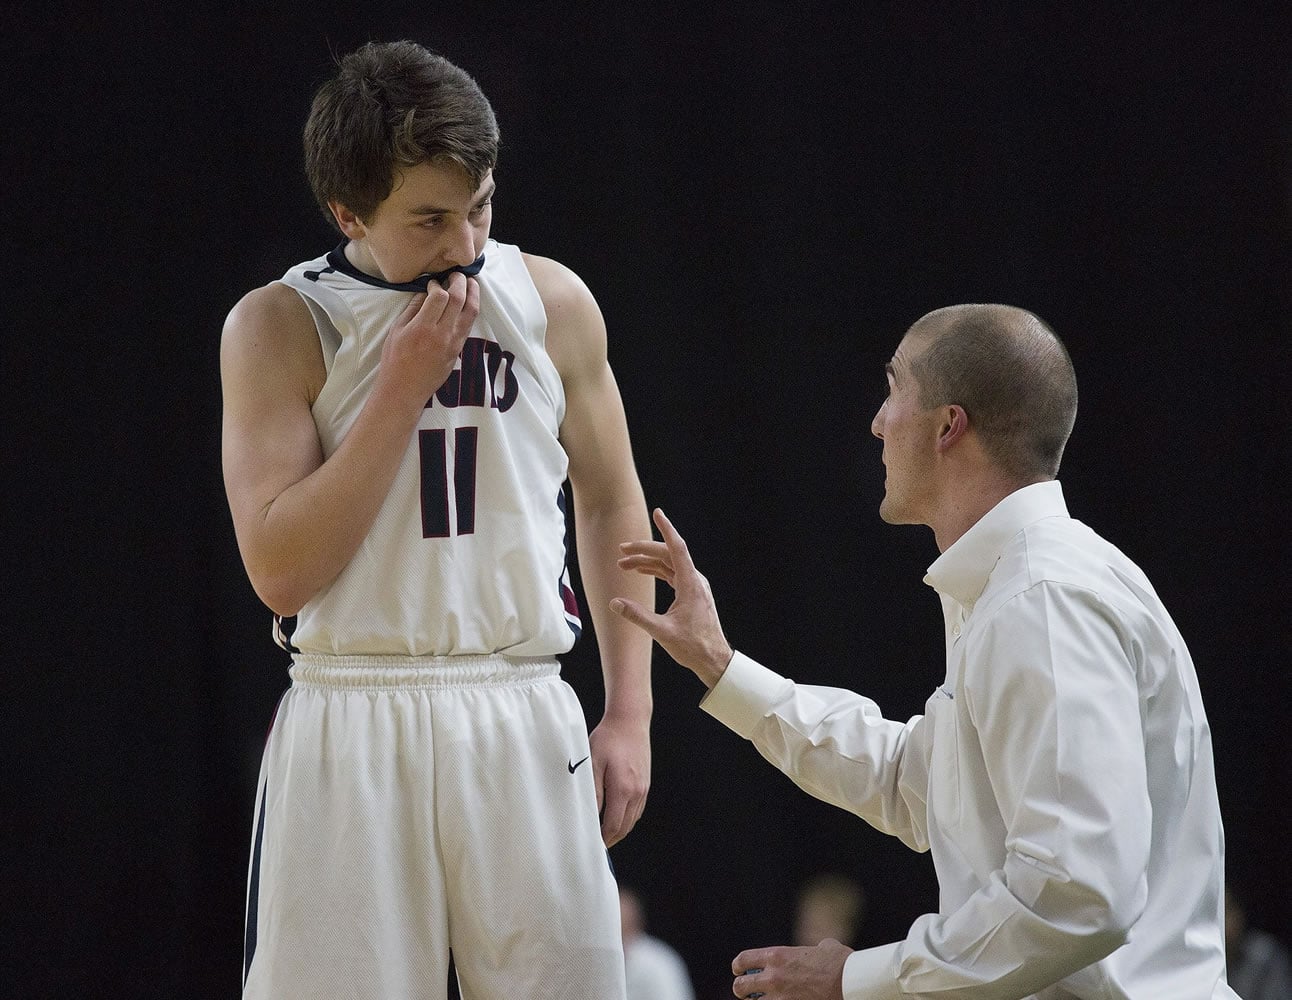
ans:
x=468 y=553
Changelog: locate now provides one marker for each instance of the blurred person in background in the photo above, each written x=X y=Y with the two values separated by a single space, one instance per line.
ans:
x=1259 y=964
x=829 y=906
x=653 y=969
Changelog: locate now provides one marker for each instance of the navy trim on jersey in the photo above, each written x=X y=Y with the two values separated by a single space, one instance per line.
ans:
x=253 y=890
x=284 y=629
x=568 y=598
x=340 y=262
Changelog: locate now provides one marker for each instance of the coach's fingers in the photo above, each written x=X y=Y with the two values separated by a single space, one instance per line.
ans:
x=654 y=624
x=649 y=622
x=647 y=561
x=645 y=547
x=648 y=566
x=753 y=960
x=678 y=553
x=645 y=552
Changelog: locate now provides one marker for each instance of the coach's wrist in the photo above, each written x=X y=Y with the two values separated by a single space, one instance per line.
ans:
x=714 y=664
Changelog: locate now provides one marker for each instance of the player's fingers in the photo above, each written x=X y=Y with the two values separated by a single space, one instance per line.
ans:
x=612 y=816
x=464 y=299
x=625 y=799
x=612 y=807
x=638 y=808
x=473 y=294
x=599 y=781
x=632 y=813
x=409 y=311
x=631 y=816
x=456 y=285
x=452 y=294
x=432 y=306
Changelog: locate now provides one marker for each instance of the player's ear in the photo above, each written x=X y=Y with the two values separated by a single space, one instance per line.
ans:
x=349 y=223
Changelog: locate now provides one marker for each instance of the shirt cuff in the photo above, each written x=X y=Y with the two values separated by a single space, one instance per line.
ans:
x=744 y=694
x=871 y=974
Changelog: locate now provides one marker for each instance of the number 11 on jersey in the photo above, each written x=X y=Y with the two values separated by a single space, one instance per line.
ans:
x=433 y=449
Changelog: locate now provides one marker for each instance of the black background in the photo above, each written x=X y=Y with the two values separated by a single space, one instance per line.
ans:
x=762 y=202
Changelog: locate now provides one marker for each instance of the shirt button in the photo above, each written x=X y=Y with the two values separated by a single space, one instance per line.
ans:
x=955 y=630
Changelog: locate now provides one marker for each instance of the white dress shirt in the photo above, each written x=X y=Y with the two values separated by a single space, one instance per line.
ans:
x=1061 y=776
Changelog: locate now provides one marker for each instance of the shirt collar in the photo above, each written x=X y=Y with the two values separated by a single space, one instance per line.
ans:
x=338 y=260
x=961 y=571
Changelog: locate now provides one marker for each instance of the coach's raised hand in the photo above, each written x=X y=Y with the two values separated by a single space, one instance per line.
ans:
x=689 y=631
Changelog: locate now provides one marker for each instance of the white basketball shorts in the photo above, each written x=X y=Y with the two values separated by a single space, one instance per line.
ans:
x=406 y=807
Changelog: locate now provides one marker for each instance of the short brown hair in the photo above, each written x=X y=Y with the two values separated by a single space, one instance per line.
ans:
x=393 y=105
x=1013 y=377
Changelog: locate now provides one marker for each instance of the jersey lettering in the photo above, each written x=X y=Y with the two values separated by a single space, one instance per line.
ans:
x=484 y=366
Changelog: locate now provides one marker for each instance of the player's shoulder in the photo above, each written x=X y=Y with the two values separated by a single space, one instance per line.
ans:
x=269 y=312
x=557 y=284
x=572 y=313
x=270 y=326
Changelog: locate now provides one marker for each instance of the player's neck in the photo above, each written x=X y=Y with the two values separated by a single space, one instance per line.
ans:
x=358 y=254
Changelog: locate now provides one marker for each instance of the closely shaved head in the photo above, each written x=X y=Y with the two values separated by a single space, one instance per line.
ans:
x=1010 y=373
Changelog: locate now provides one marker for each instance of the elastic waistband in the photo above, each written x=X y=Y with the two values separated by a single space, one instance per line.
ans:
x=420 y=671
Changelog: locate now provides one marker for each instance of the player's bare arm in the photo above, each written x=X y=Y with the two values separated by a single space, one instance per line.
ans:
x=300 y=519
x=608 y=507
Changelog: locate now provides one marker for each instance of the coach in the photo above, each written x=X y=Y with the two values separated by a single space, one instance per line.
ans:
x=1061 y=774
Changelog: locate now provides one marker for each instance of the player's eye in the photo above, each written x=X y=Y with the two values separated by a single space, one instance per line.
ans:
x=479 y=209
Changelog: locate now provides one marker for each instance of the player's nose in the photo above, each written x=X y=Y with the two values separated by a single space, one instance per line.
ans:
x=462 y=247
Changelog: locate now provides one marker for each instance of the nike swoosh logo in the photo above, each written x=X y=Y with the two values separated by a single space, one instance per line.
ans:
x=575 y=767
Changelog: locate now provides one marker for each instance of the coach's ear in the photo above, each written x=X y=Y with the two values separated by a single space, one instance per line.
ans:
x=955 y=425
x=349 y=223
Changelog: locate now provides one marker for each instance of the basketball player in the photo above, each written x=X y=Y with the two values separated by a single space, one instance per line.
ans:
x=400 y=416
